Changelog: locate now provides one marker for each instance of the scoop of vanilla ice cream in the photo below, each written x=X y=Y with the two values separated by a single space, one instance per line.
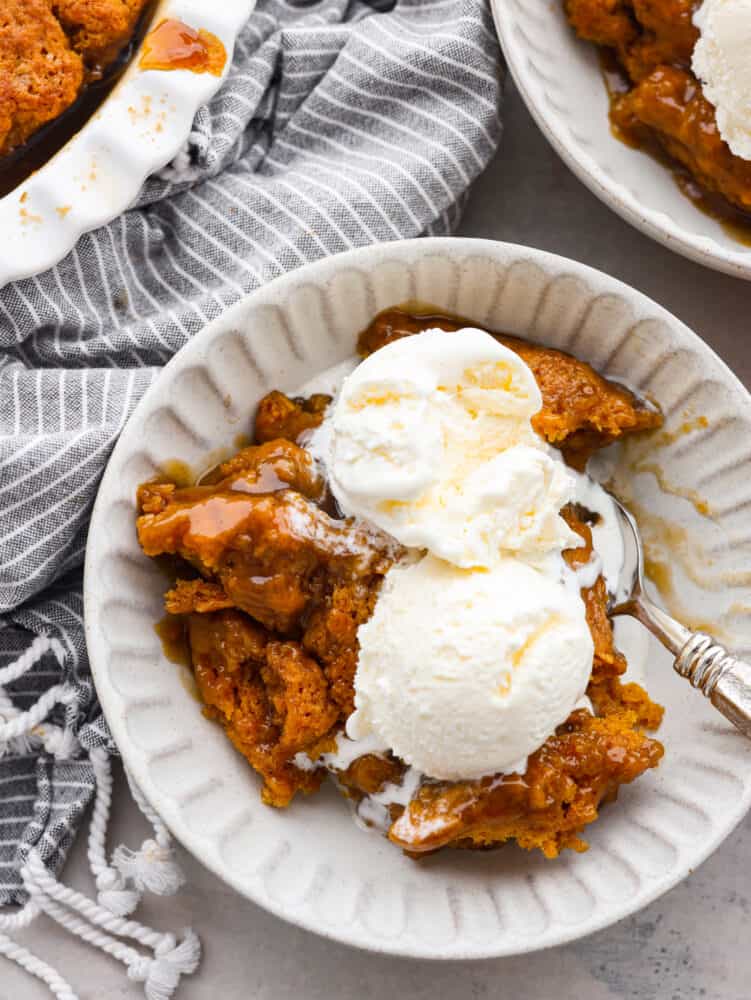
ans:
x=722 y=61
x=464 y=673
x=511 y=503
x=430 y=439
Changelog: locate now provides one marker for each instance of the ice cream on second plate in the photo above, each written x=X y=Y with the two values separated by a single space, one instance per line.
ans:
x=722 y=61
x=479 y=646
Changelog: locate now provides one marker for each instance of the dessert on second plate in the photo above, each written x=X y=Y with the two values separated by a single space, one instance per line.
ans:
x=404 y=581
x=681 y=87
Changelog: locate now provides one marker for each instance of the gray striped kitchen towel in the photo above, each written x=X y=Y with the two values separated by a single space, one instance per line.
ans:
x=342 y=123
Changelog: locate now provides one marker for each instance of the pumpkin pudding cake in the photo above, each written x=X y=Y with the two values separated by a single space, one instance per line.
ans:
x=50 y=51
x=403 y=582
x=680 y=85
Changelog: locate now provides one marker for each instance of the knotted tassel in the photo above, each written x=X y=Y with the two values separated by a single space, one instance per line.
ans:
x=161 y=974
x=114 y=895
x=62 y=743
x=153 y=868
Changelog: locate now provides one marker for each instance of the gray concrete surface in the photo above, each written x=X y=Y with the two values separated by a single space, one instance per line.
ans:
x=694 y=942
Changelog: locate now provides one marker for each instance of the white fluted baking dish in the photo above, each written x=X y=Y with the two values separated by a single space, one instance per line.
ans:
x=137 y=130
x=310 y=864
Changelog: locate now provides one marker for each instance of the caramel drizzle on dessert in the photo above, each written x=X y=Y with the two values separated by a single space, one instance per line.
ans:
x=174 y=45
x=735 y=222
x=658 y=105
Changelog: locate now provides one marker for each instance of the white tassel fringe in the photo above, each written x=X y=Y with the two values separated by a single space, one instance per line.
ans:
x=120 y=885
x=151 y=869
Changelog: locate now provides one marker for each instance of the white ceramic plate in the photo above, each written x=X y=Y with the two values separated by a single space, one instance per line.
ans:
x=560 y=79
x=97 y=175
x=311 y=864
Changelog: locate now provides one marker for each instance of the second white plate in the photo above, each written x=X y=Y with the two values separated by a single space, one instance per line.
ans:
x=561 y=82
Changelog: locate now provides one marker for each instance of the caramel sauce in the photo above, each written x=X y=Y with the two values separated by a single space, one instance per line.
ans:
x=197 y=487
x=210 y=516
x=735 y=222
x=174 y=639
x=640 y=456
x=182 y=474
x=188 y=681
x=175 y=45
x=267 y=482
x=19 y=165
x=242 y=441
x=178 y=472
x=173 y=636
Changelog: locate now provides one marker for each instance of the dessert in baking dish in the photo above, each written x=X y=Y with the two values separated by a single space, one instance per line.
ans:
x=50 y=52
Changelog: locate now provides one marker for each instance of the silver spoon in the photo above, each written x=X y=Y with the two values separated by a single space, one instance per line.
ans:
x=725 y=680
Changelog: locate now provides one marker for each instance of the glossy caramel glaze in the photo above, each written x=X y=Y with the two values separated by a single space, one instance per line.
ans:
x=174 y=639
x=175 y=45
x=658 y=104
x=274 y=589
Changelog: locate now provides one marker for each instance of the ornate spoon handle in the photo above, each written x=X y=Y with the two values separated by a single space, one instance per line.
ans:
x=723 y=678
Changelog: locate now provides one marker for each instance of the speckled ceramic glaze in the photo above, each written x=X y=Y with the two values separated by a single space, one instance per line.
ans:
x=560 y=79
x=311 y=864
x=137 y=130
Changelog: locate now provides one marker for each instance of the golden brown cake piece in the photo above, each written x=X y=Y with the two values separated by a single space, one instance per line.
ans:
x=254 y=531
x=581 y=411
x=269 y=696
x=331 y=634
x=643 y=33
x=604 y=22
x=98 y=29
x=547 y=807
x=670 y=103
x=201 y=596
x=272 y=555
x=278 y=416
x=668 y=35
x=297 y=572
x=49 y=50
x=40 y=73
x=605 y=690
x=268 y=467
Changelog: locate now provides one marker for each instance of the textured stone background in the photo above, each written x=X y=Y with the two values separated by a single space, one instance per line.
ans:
x=694 y=942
